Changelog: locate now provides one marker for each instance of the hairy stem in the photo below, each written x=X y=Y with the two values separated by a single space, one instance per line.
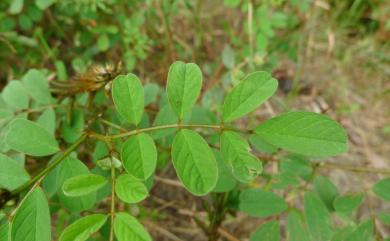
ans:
x=155 y=128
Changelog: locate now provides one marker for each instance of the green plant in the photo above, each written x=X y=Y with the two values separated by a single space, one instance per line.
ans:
x=124 y=150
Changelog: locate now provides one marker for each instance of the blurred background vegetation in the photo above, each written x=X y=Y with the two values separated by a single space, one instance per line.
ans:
x=330 y=56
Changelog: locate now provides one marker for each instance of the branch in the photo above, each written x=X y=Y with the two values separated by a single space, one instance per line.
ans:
x=155 y=128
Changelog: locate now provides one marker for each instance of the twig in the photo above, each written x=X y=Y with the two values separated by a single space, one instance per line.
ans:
x=227 y=235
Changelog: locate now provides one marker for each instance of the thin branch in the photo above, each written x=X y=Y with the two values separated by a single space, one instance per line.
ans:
x=155 y=128
x=355 y=168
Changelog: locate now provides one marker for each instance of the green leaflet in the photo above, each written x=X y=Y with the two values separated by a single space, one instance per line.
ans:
x=130 y=189
x=348 y=203
x=139 y=156
x=68 y=168
x=253 y=90
x=83 y=184
x=295 y=227
x=12 y=175
x=269 y=231
x=83 y=228
x=37 y=86
x=304 y=133
x=326 y=190
x=48 y=120
x=194 y=162
x=15 y=95
x=127 y=228
x=363 y=232
x=261 y=203
x=381 y=189
x=128 y=96
x=235 y=151
x=30 y=138
x=226 y=181
x=183 y=87
x=32 y=220
x=317 y=218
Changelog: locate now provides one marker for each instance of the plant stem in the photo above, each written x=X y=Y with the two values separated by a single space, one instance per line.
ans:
x=354 y=168
x=50 y=167
x=112 y=213
x=155 y=128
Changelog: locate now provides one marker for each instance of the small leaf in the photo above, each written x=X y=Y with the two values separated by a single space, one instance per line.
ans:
x=228 y=57
x=43 y=4
x=269 y=231
x=381 y=189
x=260 y=203
x=37 y=86
x=48 y=120
x=32 y=220
x=385 y=218
x=235 y=150
x=165 y=116
x=226 y=181
x=83 y=228
x=4 y=230
x=16 y=6
x=305 y=133
x=183 y=87
x=151 y=92
x=363 y=232
x=139 y=156
x=127 y=228
x=248 y=95
x=130 y=189
x=83 y=184
x=30 y=138
x=12 y=175
x=326 y=190
x=72 y=131
x=317 y=217
x=128 y=96
x=15 y=95
x=194 y=162
x=68 y=168
x=295 y=227
x=348 y=203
